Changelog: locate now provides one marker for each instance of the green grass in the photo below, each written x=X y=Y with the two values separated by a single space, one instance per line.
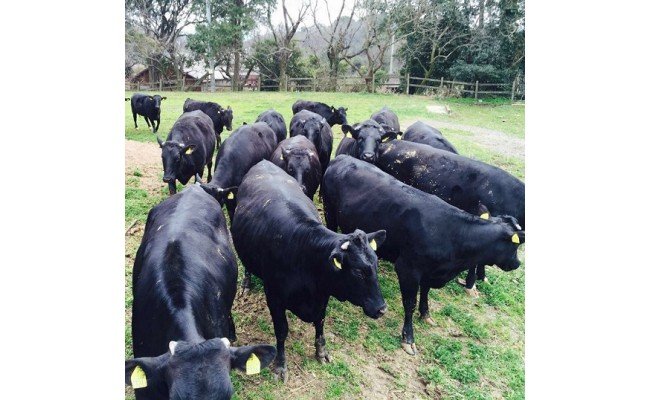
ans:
x=474 y=351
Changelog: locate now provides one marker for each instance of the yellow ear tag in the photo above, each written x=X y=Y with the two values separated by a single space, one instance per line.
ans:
x=281 y=157
x=337 y=264
x=485 y=216
x=189 y=150
x=515 y=238
x=138 y=378
x=373 y=245
x=253 y=365
x=231 y=196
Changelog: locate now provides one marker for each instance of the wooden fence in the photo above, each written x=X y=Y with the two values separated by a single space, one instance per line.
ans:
x=439 y=87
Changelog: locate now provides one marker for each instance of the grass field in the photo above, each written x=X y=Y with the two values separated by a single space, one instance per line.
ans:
x=476 y=349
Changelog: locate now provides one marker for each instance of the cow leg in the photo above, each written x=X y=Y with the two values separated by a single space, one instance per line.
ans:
x=197 y=178
x=281 y=328
x=135 y=119
x=232 y=336
x=408 y=284
x=157 y=125
x=146 y=119
x=210 y=170
x=470 y=282
x=321 y=351
x=218 y=141
x=172 y=188
x=480 y=273
x=424 y=304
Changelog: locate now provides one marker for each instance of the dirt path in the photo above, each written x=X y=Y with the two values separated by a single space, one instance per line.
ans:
x=495 y=141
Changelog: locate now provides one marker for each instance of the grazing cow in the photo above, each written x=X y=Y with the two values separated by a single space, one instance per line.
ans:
x=429 y=241
x=184 y=284
x=461 y=181
x=220 y=116
x=365 y=140
x=420 y=132
x=331 y=114
x=279 y=237
x=188 y=149
x=387 y=119
x=316 y=129
x=297 y=157
x=148 y=107
x=275 y=120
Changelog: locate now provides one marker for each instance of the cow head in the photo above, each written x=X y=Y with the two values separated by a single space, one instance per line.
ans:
x=354 y=260
x=226 y=117
x=339 y=115
x=311 y=128
x=302 y=164
x=174 y=156
x=511 y=238
x=195 y=370
x=368 y=134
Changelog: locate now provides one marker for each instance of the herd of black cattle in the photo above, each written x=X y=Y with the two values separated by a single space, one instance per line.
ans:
x=414 y=202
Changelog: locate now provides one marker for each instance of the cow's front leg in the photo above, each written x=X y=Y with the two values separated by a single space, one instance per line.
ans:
x=146 y=119
x=321 y=351
x=408 y=284
x=424 y=304
x=157 y=125
x=197 y=178
x=470 y=282
x=281 y=328
x=172 y=187
x=480 y=274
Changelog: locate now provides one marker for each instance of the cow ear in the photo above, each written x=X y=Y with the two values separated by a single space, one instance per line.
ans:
x=519 y=237
x=388 y=136
x=145 y=371
x=351 y=130
x=284 y=154
x=376 y=239
x=333 y=108
x=159 y=140
x=483 y=211
x=252 y=359
x=189 y=149
x=220 y=194
x=229 y=108
x=336 y=257
x=164 y=98
x=346 y=109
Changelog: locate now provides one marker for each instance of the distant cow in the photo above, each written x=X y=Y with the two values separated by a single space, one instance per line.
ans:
x=460 y=181
x=188 y=149
x=221 y=117
x=297 y=157
x=275 y=120
x=184 y=284
x=429 y=241
x=148 y=107
x=246 y=146
x=387 y=119
x=316 y=129
x=331 y=114
x=279 y=237
x=365 y=140
x=420 y=132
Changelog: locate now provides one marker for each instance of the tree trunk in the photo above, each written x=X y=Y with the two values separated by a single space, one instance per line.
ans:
x=481 y=13
x=235 y=73
x=282 y=63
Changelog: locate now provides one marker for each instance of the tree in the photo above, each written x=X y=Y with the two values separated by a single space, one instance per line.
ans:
x=283 y=35
x=266 y=58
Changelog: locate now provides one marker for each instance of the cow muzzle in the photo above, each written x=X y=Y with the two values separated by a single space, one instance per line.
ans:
x=368 y=157
x=378 y=312
x=168 y=179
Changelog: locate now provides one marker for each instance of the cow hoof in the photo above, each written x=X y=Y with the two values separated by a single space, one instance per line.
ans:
x=323 y=359
x=461 y=281
x=486 y=280
x=429 y=321
x=410 y=348
x=245 y=291
x=280 y=373
x=473 y=292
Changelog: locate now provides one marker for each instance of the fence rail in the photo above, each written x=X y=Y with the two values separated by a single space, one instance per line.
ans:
x=439 y=87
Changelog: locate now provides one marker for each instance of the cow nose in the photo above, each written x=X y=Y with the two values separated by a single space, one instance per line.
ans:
x=167 y=179
x=368 y=157
x=304 y=188
x=383 y=310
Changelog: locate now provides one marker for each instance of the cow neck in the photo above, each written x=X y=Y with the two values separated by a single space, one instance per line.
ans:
x=477 y=241
x=187 y=326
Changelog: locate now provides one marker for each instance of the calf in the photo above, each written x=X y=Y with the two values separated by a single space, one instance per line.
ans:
x=429 y=241
x=275 y=120
x=331 y=114
x=148 y=107
x=387 y=119
x=365 y=140
x=220 y=116
x=184 y=284
x=188 y=149
x=280 y=238
x=420 y=132
x=297 y=157
x=316 y=129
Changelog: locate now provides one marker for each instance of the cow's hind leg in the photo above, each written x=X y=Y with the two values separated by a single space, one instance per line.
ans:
x=408 y=284
x=424 y=304
x=321 y=351
x=210 y=170
x=281 y=328
x=480 y=273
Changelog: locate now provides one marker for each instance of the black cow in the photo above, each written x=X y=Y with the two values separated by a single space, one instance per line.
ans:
x=221 y=117
x=184 y=284
x=297 y=157
x=188 y=149
x=387 y=119
x=280 y=238
x=331 y=114
x=429 y=241
x=420 y=132
x=458 y=180
x=365 y=140
x=148 y=107
x=316 y=129
x=275 y=120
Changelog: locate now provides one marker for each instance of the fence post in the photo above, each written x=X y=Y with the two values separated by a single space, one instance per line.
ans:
x=514 y=84
x=259 y=82
x=313 y=84
x=408 y=82
x=442 y=80
x=373 y=82
x=476 y=91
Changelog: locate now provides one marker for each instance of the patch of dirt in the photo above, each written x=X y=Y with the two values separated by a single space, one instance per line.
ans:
x=496 y=141
x=144 y=158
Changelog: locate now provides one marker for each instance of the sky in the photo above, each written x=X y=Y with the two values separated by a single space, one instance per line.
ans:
x=321 y=15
